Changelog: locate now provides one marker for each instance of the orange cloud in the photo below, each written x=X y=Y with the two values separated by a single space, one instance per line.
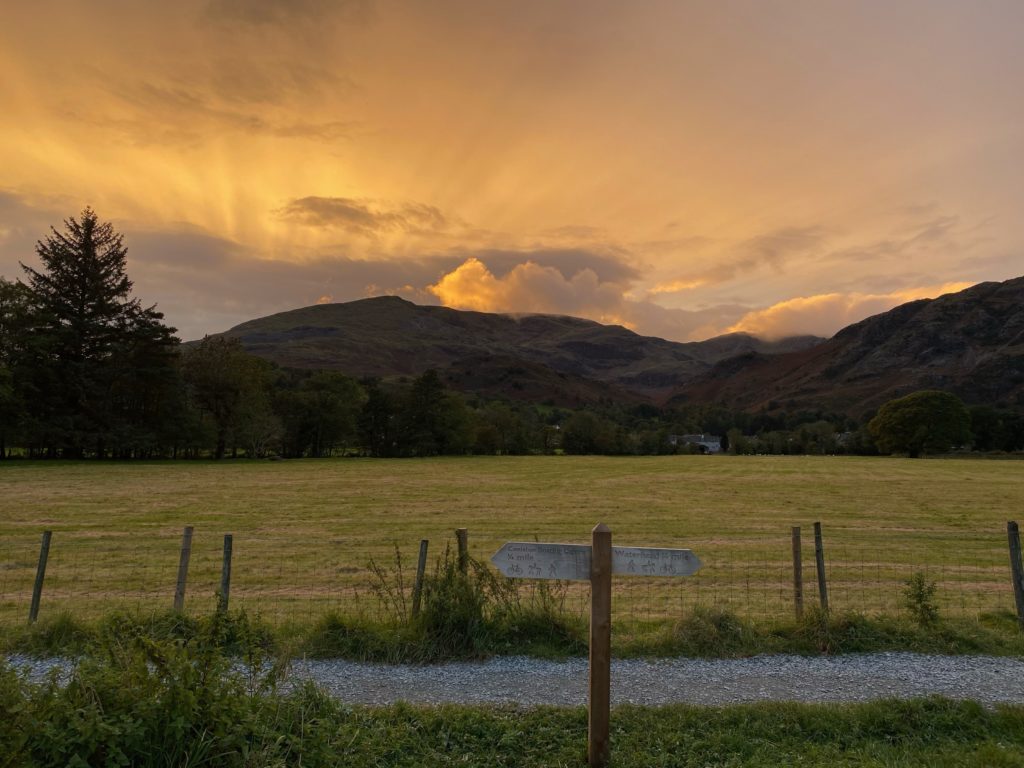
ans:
x=675 y=286
x=829 y=312
x=529 y=287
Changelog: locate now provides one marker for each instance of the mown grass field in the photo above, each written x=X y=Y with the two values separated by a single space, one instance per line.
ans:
x=305 y=531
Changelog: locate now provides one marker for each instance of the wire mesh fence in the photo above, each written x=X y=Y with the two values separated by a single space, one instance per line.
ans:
x=288 y=580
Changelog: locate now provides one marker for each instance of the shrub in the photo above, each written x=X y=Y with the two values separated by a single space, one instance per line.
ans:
x=919 y=598
x=145 y=702
x=712 y=632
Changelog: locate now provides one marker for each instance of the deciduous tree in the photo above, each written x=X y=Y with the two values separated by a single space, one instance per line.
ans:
x=929 y=421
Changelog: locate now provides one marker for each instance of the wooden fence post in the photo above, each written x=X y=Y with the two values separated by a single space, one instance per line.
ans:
x=186 y=554
x=462 y=536
x=225 y=575
x=599 y=710
x=1016 y=569
x=417 y=588
x=819 y=560
x=37 y=588
x=798 y=575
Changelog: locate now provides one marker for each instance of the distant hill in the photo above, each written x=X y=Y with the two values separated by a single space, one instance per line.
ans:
x=565 y=360
x=970 y=343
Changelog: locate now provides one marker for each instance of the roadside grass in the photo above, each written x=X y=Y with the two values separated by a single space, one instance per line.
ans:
x=472 y=612
x=530 y=631
x=145 y=703
x=306 y=531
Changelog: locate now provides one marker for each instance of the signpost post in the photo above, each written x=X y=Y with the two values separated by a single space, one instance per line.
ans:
x=595 y=563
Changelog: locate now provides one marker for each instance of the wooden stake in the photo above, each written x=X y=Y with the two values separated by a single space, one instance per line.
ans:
x=819 y=560
x=599 y=714
x=186 y=554
x=417 y=588
x=1016 y=569
x=225 y=575
x=37 y=589
x=462 y=536
x=798 y=575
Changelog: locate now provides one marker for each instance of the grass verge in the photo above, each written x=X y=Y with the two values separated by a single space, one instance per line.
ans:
x=147 y=703
x=706 y=633
x=469 y=612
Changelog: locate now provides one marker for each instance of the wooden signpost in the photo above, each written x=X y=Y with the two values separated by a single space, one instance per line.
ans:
x=595 y=563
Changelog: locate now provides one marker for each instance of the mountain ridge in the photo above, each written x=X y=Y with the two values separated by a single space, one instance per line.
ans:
x=970 y=343
x=389 y=336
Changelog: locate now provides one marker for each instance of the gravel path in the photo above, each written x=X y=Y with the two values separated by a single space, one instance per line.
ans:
x=527 y=682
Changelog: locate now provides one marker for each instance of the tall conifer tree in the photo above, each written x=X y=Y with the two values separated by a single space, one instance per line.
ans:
x=103 y=357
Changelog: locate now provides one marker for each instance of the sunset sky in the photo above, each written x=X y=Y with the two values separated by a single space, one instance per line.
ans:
x=682 y=168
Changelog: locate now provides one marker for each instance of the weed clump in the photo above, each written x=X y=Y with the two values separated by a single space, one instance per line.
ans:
x=466 y=611
x=137 y=700
x=919 y=598
x=712 y=632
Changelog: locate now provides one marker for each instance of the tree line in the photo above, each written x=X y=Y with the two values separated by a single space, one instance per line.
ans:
x=86 y=370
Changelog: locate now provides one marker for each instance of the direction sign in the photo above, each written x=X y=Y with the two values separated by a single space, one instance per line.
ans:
x=535 y=560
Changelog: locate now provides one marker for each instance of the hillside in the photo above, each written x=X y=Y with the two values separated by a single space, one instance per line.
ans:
x=970 y=343
x=576 y=361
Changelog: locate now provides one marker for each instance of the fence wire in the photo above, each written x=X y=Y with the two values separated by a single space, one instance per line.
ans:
x=285 y=580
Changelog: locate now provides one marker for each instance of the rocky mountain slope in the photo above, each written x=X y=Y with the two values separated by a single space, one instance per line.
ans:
x=970 y=343
x=512 y=355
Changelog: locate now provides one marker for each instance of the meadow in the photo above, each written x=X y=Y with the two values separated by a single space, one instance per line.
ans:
x=306 y=532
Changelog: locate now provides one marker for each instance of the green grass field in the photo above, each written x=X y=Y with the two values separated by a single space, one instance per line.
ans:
x=305 y=531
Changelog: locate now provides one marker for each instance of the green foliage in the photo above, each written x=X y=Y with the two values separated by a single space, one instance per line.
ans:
x=996 y=430
x=318 y=413
x=148 y=703
x=480 y=612
x=139 y=701
x=57 y=635
x=585 y=432
x=471 y=614
x=98 y=372
x=15 y=310
x=718 y=633
x=919 y=598
x=713 y=632
x=929 y=421
x=232 y=387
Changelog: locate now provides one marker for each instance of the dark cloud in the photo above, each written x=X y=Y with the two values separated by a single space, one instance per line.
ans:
x=577 y=232
x=931 y=237
x=609 y=267
x=22 y=224
x=772 y=249
x=274 y=81
x=206 y=284
x=174 y=113
x=650 y=319
x=363 y=217
x=278 y=12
